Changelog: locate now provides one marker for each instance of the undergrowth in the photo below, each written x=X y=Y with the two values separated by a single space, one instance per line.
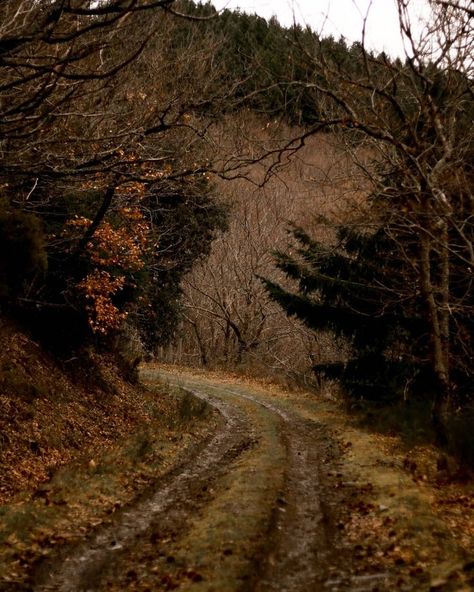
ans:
x=412 y=422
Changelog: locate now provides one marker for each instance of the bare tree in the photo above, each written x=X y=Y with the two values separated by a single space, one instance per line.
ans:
x=229 y=319
x=414 y=119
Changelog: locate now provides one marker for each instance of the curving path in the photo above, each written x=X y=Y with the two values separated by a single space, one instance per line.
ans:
x=245 y=512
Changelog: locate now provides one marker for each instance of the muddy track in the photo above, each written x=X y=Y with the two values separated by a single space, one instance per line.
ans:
x=88 y=563
x=244 y=513
x=300 y=548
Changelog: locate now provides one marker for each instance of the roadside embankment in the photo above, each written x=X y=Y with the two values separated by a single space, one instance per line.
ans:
x=78 y=443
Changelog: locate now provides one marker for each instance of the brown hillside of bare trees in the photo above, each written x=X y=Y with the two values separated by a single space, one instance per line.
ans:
x=229 y=321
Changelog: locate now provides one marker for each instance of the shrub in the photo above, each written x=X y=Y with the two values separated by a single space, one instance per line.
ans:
x=23 y=253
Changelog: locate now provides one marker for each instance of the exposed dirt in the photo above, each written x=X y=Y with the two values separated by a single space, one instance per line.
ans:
x=349 y=514
x=282 y=493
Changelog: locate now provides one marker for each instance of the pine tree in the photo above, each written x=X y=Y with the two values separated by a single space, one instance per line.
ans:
x=361 y=290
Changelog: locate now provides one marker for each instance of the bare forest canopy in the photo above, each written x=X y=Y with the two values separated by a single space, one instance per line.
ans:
x=121 y=121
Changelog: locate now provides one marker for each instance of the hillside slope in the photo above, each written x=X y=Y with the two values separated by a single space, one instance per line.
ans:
x=55 y=412
x=77 y=442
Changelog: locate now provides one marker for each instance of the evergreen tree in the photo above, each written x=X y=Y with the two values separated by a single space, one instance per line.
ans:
x=364 y=291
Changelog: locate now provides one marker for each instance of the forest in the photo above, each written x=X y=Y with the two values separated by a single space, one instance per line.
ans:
x=182 y=180
x=186 y=190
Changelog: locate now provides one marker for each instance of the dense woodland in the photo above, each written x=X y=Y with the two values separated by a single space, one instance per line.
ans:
x=219 y=190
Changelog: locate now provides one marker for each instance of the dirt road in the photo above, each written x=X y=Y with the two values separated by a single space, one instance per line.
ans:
x=257 y=507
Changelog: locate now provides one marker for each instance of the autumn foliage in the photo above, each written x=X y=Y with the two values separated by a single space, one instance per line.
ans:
x=114 y=253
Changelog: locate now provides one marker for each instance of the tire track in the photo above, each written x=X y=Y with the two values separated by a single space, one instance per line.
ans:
x=294 y=549
x=300 y=552
x=83 y=569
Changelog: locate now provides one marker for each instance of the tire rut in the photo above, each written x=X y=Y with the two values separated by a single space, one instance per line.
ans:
x=86 y=565
x=300 y=553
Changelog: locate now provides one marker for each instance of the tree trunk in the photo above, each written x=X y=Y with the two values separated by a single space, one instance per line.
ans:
x=100 y=215
x=201 y=346
x=438 y=322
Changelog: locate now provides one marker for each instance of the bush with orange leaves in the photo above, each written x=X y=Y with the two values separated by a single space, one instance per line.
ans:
x=114 y=253
x=99 y=288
